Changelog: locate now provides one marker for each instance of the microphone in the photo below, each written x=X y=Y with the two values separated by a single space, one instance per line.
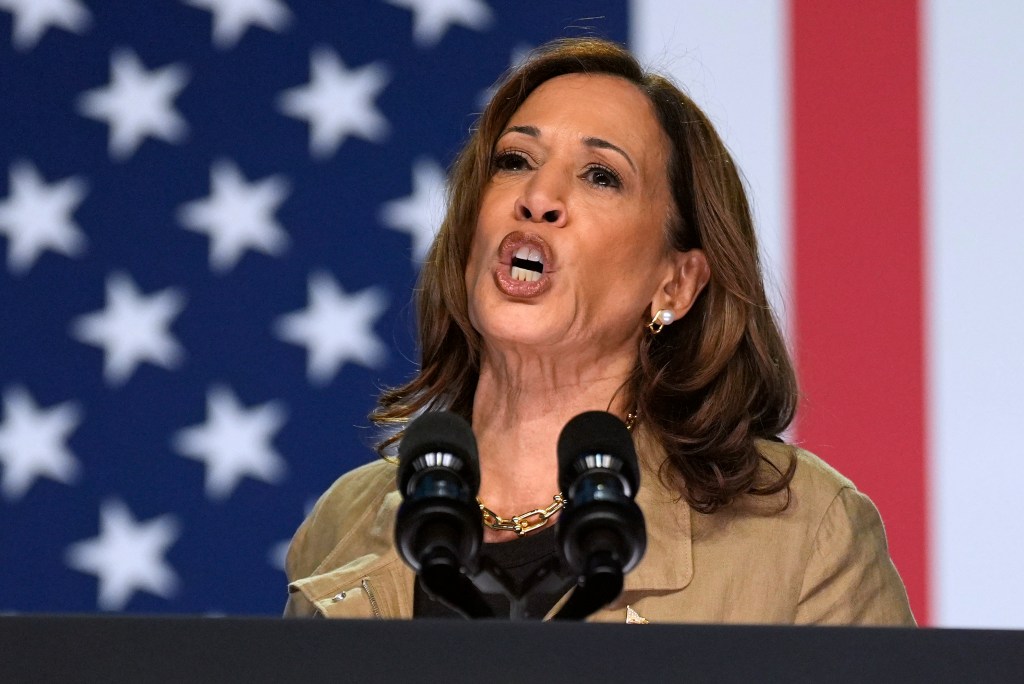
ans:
x=601 y=531
x=437 y=528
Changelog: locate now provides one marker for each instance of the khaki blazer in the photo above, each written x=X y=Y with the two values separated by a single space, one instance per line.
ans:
x=821 y=560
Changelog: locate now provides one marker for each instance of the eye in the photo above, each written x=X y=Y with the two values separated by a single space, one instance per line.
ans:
x=602 y=176
x=510 y=160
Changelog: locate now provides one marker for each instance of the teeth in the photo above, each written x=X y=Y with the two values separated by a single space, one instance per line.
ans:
x=524 y=275
x=526 y=253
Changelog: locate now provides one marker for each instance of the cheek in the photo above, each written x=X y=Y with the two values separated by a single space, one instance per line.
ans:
x=485 y=241
x=625 y=249
x=477 y=268
x=627 y=270
x=472 y=276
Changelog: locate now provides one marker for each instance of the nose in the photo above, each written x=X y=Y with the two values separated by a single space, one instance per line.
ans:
x=541 y=201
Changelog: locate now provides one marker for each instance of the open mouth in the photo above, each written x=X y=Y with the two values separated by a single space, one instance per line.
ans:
x=527 y=264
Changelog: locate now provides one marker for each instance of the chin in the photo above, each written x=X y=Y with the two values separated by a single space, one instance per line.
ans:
x=518 y=324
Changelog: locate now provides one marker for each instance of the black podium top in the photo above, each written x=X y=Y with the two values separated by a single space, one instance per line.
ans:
x=128 y=649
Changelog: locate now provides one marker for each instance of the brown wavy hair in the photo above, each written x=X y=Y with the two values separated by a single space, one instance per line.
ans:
x=709 y=385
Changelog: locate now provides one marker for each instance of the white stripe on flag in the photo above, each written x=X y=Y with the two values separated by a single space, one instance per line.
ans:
x=974 y=183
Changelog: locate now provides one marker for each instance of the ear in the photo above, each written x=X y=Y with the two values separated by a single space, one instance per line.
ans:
x=690 y=274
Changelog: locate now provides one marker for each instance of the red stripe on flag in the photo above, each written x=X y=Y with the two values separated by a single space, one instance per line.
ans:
x=858 y=257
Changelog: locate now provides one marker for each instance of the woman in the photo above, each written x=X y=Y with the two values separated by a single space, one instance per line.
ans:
x=598 y=253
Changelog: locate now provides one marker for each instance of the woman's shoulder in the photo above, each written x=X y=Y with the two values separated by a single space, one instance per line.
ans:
x=814 y=488
x=359 y=493
x=813 y=478
x=354 y=488
x=354 y=493
x=818 y=500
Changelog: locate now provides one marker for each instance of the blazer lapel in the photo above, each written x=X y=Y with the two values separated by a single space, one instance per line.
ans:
x=667 y=564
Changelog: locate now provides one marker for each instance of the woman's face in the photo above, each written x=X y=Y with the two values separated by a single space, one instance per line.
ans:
x=570 y=248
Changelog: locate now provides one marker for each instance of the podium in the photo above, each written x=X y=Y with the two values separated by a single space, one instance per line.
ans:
x=133 y=649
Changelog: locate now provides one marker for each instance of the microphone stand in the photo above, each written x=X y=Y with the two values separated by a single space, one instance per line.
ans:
x=491 y=579
x=445 y=580
x=464 y=592
x=598 y=586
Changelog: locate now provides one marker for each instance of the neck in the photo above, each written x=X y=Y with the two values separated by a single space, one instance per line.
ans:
x=519 y=410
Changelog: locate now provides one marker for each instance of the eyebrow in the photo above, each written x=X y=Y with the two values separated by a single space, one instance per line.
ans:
x=605 y=145
x=599 y=143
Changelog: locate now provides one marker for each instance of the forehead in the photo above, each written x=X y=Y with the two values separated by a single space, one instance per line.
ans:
x=595 y=105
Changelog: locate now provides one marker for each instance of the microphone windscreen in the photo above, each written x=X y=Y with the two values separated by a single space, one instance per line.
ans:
x=595 y=432
x=444 y=432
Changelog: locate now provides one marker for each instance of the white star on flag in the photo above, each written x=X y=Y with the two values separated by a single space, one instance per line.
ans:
x=337 y=102
x=431 y=18
x=132 y=328
x=234 y=442
x=137 y=103
x=36 y=216
x=335 y=328
x=231 y=18
x=127 y=556
x=237 y=215
x=33 y=443
x=33 y=17
x=420 y=213
x=277 y=556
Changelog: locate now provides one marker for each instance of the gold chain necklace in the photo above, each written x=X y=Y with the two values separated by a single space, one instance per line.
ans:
x=538 y=517
x=524 y=522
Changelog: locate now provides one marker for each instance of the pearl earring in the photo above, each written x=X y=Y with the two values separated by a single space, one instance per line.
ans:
x=660 y=320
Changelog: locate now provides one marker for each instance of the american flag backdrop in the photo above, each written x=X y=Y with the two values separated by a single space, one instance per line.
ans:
x=212 y=211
